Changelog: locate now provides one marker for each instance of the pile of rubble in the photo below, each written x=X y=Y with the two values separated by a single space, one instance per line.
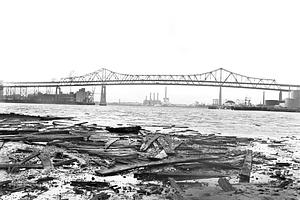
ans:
x=55 y=157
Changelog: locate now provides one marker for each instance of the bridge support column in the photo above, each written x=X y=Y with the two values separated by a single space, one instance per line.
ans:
x=220 y=96
x=280 y=95
x=1 y=92
x=103 y=96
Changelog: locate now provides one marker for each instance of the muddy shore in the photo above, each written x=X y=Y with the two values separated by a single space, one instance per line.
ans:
x=46 y=157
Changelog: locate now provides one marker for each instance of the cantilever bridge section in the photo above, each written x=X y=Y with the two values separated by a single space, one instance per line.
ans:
x=216 y=78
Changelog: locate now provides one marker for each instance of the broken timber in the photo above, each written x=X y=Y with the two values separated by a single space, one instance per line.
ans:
x=124 y=168
x=177 y=188
x=247 y=166
x=145 y=146
x=33 y=155
x=225 y=185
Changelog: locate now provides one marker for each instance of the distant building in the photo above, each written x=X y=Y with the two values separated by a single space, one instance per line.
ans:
x=215 y=102
x=229 y=103
x=294 y=100
x=80 y=97
x=152 y=101
x=83 y=96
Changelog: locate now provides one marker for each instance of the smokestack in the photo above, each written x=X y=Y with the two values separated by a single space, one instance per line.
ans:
x=150 y=97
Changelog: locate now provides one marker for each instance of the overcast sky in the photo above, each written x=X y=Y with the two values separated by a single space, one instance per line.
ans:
x=42 y=40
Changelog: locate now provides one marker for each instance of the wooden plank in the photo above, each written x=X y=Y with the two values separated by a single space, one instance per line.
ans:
x=101 y=184
x=177 y=188
x=46 y=162
x=147 y=144
x=6 y=182
x=1 y=144
x=153 y=176
x=81 y=161
x=110 y=142
x=65 y=162
x=225 y=185
x=246 y=168
x=27 y=166
x=33 y=155
x=165 y=145
x=124 y=168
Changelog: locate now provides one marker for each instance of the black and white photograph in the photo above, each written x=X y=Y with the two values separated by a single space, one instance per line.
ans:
x=149 y=100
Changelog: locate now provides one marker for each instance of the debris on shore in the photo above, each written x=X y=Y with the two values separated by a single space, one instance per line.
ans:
x=61 y=158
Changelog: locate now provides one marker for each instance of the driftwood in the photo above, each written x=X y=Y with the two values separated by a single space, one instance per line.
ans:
x=225 y=185
x=1 y=144
x=53 y=132
x=45 y=179
x=33 y=155
x=124 y=130
x=42 y=138
x=149 y=176
x=110 y=142
x=81 y=161
x=177 y=189
x=89 y=183
x=16 y=165
x=65 y=162
x=46 y=162
x=6 y=182
x=120 y=169
x=247 y=166
x=146 y=145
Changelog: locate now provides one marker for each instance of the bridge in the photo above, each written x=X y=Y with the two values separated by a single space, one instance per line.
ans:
x=103 y=77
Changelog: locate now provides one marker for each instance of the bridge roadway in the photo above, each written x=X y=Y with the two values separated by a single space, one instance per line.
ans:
x=216 y=78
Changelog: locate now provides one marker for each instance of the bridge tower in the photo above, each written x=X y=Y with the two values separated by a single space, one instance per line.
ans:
x=220 y=90
x=103 y=96
x=1 y=92
x=280 y=95
x=220 y=96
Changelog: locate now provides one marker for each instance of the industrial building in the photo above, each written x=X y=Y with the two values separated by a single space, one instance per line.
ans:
x=294 y=100
x=79 y=97
x=152 y=101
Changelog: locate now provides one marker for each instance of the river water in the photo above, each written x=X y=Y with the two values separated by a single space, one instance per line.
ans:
x=225 y=122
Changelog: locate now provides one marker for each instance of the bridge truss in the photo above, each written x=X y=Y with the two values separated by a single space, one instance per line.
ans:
x=216 y=78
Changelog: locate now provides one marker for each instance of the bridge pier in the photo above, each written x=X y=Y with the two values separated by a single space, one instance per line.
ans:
x=103 y=96
x=220 y=96
x=280 y=95
x=1 y=92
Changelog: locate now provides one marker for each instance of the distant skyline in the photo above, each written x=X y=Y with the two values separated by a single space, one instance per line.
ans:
x=46 y=40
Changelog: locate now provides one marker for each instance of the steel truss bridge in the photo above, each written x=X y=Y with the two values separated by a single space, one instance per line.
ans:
x=216 y=78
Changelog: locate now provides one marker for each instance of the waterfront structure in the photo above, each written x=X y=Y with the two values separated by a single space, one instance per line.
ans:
x=217 y=78
x=83 y=96
x=152 y=101
x=80 y=97
x=294 y=100
x=166 y=99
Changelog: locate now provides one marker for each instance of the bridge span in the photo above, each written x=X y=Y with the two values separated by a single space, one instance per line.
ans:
x=216 y=78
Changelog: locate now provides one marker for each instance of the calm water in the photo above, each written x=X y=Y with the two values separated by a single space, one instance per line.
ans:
x=227 y=122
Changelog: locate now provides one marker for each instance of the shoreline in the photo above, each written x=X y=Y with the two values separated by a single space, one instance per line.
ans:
x=81 y=153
